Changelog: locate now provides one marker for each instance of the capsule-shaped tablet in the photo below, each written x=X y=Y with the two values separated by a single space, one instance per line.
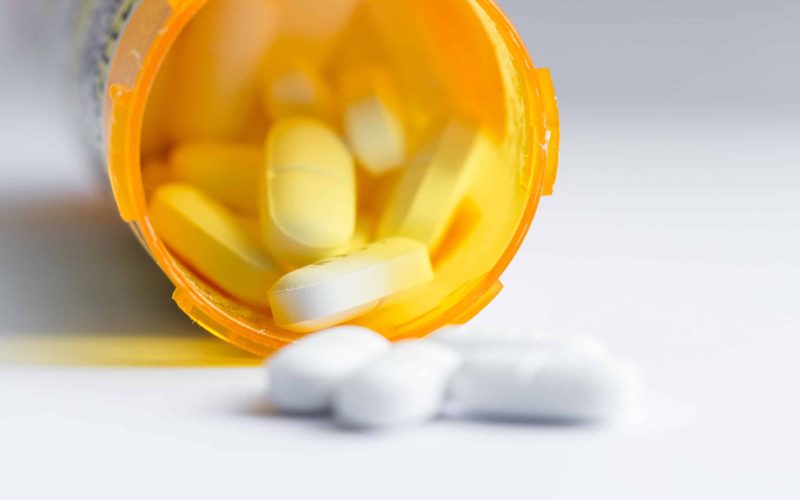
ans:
x=303 y=376
x=343 y=288
x=434 y=183
x=213 y=242
x=308 y=195
x=228 y=172
x=216 y=65
x=298 y=89
x=373 y=123
x=406 y=385
x=537 y=383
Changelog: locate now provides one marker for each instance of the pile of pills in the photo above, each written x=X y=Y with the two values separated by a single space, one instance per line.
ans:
x=301 y=251
x=365 y=382
x=309 y=161
x=330 y=212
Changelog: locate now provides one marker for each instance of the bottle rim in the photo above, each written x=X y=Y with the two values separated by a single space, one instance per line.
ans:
x=131 y=77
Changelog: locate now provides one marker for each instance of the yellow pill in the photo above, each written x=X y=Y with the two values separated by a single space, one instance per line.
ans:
x=343 y=288
x=434 y=184
x=314 y=19
x=373 y=123
x=308 y=196
x=216 y=63
x=213 y=242
x=298 y=89
x=228 y=172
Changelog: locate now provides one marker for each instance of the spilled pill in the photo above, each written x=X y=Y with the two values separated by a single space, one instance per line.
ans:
x=345 y=287
x=434 y=184
x=308 y=195
x=213 y=242
x=543 y=384
x=302 y=377
x=403 y=386
x=227 y=171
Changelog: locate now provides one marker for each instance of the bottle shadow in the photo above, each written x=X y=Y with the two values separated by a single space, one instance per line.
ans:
x=78 y=289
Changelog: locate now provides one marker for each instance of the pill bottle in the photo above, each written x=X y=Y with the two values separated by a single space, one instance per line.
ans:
x=121 y=47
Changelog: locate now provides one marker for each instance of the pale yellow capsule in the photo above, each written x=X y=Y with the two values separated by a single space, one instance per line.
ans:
x=308 y=196
x=434 y=183
x=213 y=242
x=346 y=287
x=314 y=19
x=311 y=29
x=229 y=172
x=298 y=89
x=372 y=121
x=216 y=63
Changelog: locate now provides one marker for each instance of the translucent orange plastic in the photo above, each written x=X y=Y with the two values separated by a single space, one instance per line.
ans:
x=486 y=73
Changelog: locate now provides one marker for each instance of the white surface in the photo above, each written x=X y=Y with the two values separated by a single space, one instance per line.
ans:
x=694 y=277
x=673 y=235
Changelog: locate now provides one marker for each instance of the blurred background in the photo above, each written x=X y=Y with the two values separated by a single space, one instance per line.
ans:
x=673 y=235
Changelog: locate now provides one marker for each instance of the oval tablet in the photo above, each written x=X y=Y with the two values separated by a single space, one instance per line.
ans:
x=372 y=121
x=303 y=375
x=308 y=196
x=227 y=171
x=343 y=288
x=536 y=383
x=215 y=63
x=434 y=183
x=403 y=386
x=213 y=242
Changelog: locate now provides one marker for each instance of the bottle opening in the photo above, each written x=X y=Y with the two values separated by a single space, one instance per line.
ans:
x=401 y=84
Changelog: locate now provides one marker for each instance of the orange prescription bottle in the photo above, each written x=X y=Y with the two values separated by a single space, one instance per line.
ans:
x=460 y=56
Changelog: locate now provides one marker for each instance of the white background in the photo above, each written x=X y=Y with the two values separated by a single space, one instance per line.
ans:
x=673 y=236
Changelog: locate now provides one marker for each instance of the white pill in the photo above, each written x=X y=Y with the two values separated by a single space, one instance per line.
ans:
x=345 y=287
x=543 y=383
x=303 y=376
x=404 y=386
x=470 y=339
x=373 y=119
x=376 y=135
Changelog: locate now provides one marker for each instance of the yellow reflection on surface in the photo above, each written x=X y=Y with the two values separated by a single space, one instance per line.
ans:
x=113 y=349
x=77 y=290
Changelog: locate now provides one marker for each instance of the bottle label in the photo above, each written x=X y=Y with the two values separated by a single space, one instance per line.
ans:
x=97 y=26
